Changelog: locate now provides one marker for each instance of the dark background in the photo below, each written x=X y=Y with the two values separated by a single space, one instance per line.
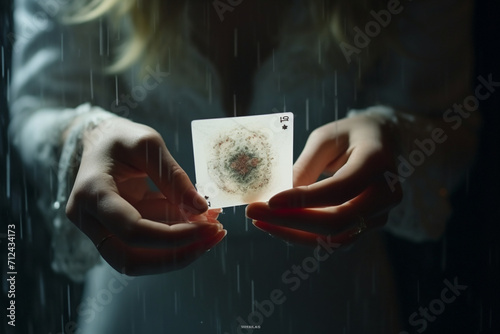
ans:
x=471 y=245
x=45 y=301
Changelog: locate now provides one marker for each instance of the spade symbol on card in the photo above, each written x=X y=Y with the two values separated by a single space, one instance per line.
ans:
x=208 y=202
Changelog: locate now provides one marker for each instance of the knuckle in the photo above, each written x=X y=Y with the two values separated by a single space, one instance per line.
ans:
x=177 y=173
x=138 y=139
x=148 y=138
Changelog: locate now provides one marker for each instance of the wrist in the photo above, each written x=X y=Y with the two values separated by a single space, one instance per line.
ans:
x=388 y=121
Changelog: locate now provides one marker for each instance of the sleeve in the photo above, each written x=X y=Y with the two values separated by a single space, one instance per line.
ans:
x=58 y=80
x=424 y=88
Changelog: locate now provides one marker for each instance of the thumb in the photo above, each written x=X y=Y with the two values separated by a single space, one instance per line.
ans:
x=170 y=178
x=319 y=153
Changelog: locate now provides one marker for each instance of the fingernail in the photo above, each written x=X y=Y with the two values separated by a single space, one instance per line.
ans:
x=246 y=212
x=214 y=213
x=256 y=224
x=193 y=202
x=198 y=201
x=212 y=228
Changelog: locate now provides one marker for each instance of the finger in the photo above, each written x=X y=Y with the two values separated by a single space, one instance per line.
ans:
x=139 y=261
x=317 y=221
x=375 y=203
x=214 y=213
x=168 y=176
x=365 y=165
x=161 y=210
x=318 y=153
x=305 y=238
x=287 y=234
x=372 y=205
x=122 y=219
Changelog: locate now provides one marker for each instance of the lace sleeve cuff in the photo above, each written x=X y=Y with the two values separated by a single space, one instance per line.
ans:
x=74 y=253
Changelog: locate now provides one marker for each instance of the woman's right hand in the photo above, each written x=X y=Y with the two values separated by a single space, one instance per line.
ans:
x=139 y=231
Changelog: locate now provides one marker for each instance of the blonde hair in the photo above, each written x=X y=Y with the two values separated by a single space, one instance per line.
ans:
x=153 y=37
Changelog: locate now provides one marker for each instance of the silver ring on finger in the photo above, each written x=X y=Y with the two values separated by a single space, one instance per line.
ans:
x=360 y=228
x=103 y=240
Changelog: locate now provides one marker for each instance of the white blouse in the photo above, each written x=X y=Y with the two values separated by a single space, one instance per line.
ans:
x=58 y=74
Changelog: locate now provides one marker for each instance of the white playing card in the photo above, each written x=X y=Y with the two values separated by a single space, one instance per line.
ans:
x=240 y=160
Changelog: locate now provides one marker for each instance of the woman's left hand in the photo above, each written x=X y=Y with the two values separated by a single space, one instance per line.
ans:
x=356 y=152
